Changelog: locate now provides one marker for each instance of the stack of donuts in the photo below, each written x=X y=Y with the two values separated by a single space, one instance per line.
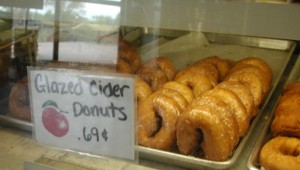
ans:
x=282 y=151
x=217 y=112
x=213 y=123
x=171 y=95
x=204 y=109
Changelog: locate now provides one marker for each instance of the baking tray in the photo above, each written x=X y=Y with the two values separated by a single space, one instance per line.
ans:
x=265 y=135
x=185 y=50
x=191 y=47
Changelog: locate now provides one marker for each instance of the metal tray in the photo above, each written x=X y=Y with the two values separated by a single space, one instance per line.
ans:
x=276 y=53
x=265 y=135
x=185 y=50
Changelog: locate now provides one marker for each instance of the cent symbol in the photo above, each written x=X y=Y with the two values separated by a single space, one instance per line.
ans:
x=53 y=119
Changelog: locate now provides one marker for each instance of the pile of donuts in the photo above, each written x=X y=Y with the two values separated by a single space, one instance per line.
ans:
x=282 y=151
x=204 y=109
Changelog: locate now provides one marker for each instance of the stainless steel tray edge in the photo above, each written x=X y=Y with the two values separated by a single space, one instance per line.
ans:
x=15 y=123
x=265 y=135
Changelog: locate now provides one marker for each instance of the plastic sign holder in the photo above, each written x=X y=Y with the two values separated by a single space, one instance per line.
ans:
x=77 y=110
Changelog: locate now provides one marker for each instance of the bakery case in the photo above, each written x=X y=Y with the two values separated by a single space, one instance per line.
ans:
x=159 y=44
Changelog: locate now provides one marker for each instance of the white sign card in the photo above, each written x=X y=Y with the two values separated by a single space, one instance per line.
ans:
x=84 y=112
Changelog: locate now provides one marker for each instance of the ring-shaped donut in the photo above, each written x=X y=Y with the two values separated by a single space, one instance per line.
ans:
x=181 y=88
x=265 y=80
x=202 y=133
x=157 y=120
x=257 y=62
x=251 y=81
x=239 y=110
x=196 y=82
x=209 y=72
x=280 y=153
x=142 y=89
x=176 y=96
x=155 y=78
x=222 y=65
x=225 y=113
x=131 y=58
x=243 y=92
x=164 y=64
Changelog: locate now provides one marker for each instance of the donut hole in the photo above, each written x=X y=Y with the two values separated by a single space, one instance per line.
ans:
x=158 y=123
x=295 y=153
x=289 y=151
x=198 y=149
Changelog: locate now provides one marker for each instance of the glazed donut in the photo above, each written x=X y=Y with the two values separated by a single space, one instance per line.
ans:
x=142 y=90
x=204 y=69
x=243 y=94
x=280 y=153
x=129 y=61
x=155 y=78
x=239 y=110
x=222 y=65
x=196 y=82
x=224 y=111
x=157 y=71
x=157 y=119
x=264 y=79
x=201 y=132
x=176 y=96
x=123 y=67
x=19 y=104
x=251 y=81
x=164 y=64
x=182 y=89
x=257 y=62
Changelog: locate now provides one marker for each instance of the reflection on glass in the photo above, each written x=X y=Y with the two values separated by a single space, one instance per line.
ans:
x=85 y=31
x=82 y=30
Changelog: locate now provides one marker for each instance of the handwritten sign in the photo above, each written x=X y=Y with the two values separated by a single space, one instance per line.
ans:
x=84 y=112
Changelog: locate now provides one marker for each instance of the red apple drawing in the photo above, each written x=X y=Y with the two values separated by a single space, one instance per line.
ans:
x=55 y=122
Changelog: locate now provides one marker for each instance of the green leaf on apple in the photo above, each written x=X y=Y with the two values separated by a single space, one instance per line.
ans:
x=49 y=103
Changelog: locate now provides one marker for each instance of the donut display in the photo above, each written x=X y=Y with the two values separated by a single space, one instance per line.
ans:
x=215 y=103
x=202 y=110
x=238 y=96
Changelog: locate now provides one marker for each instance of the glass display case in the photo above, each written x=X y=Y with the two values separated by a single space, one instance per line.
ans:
x=130 y=38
